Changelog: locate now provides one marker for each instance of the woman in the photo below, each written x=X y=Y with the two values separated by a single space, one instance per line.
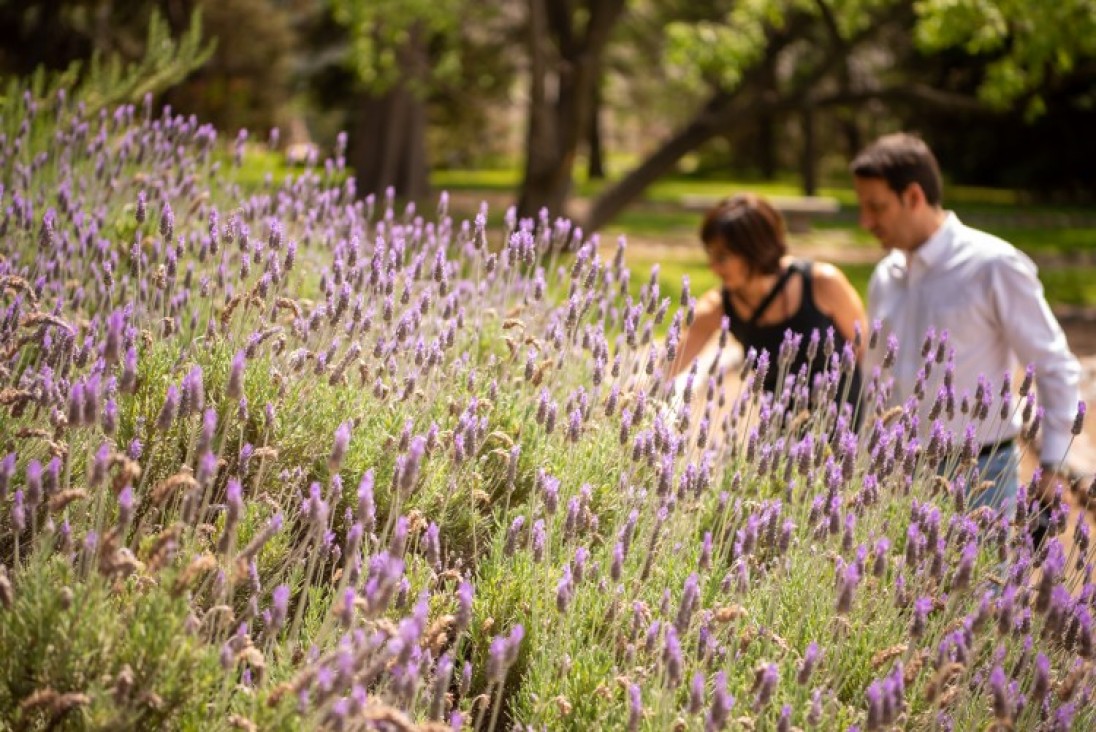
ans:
x=766 y=293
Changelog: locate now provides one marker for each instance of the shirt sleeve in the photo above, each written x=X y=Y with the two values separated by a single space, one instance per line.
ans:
x=1036 y=337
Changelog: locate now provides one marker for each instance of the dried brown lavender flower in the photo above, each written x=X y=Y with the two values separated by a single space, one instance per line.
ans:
x=60 y=500
x=7 y=594
x=940 y=679
x=196 y=568
x=166 y=488
x=887 y=654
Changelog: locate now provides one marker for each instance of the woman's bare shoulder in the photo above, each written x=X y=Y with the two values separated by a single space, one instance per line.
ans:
x=831 y=287
x=828 y=277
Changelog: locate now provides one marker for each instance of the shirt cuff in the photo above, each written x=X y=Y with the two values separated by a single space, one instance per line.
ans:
x=1054 y=448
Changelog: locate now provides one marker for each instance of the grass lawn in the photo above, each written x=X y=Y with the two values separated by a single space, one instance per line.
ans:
x=1062 y=239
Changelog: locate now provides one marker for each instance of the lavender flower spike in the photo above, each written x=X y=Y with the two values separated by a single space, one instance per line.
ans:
x=635 y=707
x=235 y=388
x=722 y=703
x=338 y=448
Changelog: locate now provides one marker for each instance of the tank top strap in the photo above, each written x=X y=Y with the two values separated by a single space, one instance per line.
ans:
x=775 y=291
x=805 y=269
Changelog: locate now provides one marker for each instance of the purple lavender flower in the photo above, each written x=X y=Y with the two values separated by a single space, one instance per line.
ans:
x=922 y=606
x=879 y=565
x=464 y=607
x=550 y=489
x=1002 y=707
x=168 y=411
x=578 y=563
x=690 y=596
x=635 y=707
x=966 y=566
x=207 y=468
x=765 y=681
x=409 y=476
x=496 y=659
x=538 y=540
x=399 y=537
x=128 y=383
x=671 y=658
x=564 y=590
x=33 y=486
x=1041 y=685
x=875 y=717
x=847 y=590
x=125 y=508
x=338 y=447
x=385 y=573
x=235 y=388
x=7 y=471
x=807 y=665
x=722 y=703
x=696 y=693
x=433 y=544
x=705 y=560
x=1063 y=717
x=366 y=507
x=442 y=676
x=784 y=723
x=279 y=608
x=513 y=534
x=167 y=223
x=141 y=209
x=76 y=405
x=18 y=513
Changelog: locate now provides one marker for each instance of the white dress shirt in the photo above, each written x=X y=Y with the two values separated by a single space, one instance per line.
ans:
x=986 y=295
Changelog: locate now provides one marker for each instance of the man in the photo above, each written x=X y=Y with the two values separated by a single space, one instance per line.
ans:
x=949 y=291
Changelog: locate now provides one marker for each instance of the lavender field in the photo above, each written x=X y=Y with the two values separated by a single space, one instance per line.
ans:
x=276 y=457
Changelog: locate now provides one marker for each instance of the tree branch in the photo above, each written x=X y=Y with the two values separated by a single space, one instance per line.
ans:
x=831 y=23
x=908 y=93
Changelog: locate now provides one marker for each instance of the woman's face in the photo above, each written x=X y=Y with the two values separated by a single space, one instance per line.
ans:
x=728 y=266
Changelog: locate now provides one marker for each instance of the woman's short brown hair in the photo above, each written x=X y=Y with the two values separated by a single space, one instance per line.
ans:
x=747 y=225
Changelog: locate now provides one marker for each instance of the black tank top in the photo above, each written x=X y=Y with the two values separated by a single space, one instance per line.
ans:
x=806 y=319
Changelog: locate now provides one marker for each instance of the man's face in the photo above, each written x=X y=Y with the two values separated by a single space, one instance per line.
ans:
x=887 y=215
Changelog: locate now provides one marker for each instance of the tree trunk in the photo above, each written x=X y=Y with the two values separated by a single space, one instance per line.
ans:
x=388 y=148
x=766 y=126
x=766 y=146
x=558 y=123
x=809 y=161
x=595 y=169
x=854 y=141
x=541 y=140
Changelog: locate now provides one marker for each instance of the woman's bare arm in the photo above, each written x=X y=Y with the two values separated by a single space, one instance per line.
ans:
x=836 y=297
x=707 y=318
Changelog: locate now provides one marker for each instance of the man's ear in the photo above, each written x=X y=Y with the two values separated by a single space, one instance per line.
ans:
x=914 y=196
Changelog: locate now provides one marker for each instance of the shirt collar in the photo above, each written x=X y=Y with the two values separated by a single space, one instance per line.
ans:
x=936 y=248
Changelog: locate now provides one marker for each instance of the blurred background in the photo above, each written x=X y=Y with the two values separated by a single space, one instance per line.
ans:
x=631 y=116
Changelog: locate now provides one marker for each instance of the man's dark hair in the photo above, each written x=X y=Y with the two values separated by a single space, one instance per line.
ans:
x=901 y=159
x=750 y=227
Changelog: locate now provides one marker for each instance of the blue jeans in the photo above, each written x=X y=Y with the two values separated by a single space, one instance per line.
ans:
x=1000 y=468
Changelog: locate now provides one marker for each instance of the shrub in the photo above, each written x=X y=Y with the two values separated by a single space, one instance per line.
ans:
x=290 y=459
